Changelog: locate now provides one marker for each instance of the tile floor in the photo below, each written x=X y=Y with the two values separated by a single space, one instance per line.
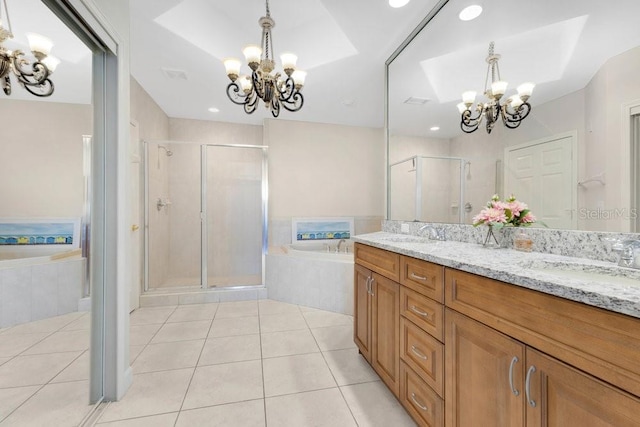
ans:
x=240 y=364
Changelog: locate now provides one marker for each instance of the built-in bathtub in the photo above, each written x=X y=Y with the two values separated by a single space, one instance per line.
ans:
x=312 y=275
x=39 y=286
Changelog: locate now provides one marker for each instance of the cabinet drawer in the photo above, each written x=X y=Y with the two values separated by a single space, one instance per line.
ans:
x=382 y=262
x=423 y=353
x=423 y=404
x=423 y=277
x=423 y=311
x=600 y=342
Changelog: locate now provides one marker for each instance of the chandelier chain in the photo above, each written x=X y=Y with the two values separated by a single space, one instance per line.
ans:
x=268 y=11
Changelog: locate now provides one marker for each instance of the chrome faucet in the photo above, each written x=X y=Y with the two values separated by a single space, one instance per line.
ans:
x=629 y=252
x=340 y=244
x=435 y=233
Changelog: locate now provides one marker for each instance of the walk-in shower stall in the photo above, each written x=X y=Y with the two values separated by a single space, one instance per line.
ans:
x=428 y=189
x=205 y=215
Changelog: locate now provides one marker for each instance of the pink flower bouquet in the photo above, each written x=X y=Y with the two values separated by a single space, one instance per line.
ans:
x=499 y=214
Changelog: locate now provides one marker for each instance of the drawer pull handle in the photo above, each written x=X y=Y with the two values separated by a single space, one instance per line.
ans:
x=415 y=276
x=421 y=406
x=418 y=311
x=527 y=387
x=418 y=353
x=513 y=389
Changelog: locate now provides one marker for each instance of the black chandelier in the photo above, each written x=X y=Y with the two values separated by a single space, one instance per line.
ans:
x=273 y=89
x=34 y=77
x=512 y=112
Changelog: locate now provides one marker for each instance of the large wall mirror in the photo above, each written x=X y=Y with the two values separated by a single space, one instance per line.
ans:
x=574 y=159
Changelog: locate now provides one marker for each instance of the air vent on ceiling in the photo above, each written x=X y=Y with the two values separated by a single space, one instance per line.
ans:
x=174 y=74
x=416 y=101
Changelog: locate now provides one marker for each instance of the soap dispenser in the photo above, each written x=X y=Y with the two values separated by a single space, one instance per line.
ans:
x=523 y=242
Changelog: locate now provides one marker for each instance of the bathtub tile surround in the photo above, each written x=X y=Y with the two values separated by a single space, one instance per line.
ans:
x=595 y=245
x=280 y=228
x=39 y=291
x=237 y=380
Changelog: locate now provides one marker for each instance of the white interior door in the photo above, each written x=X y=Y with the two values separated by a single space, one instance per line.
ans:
x=543 y=175
x=136 y=219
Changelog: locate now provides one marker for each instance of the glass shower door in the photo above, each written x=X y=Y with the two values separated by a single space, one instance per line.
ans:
x=235 y=211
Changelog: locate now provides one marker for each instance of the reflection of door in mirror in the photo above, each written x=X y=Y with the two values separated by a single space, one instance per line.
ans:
x=542 y=174
x=635 y=169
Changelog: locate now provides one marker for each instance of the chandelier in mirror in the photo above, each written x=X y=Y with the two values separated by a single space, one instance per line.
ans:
x=32 y=76
x=515 y=109
x=275 y=90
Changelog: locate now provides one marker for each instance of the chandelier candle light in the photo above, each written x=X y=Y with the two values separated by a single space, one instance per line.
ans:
x=513 y=111
x=273 y=89
x=34 y=79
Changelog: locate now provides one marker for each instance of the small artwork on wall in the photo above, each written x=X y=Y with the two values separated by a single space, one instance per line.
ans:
x=36 y=231
x=304 y=229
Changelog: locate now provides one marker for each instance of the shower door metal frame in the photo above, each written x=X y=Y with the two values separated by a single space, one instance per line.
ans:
x=203 y=212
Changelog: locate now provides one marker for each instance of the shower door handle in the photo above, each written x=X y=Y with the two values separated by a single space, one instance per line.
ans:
x=135 y=227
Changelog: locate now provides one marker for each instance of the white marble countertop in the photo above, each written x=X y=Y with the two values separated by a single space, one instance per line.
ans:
x=600 y=284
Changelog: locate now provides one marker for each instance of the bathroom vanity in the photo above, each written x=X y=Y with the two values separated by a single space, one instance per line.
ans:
x=464 y=335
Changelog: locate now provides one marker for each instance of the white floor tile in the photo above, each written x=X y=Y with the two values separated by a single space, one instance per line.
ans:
x=334 y=337
x=11 y=398
x=320 y=319
x=182 y=331
x=349 y=367
x=245 y=414
x=64 y=404
x=14 y=344
x=372 y=404
x=227 y=327
x=191 y=312
x=142 y=334
x=134 y=352
x=60 y=342
x=3 y=360
x=295 y=374
x=78 y=370
x=226 y=383
x=150 y=315
x=170 y=355
x=81 y=324
x=287 y=343
x=316 y=408
x=282 y=322
x=51 y=324
x=237 y=309
x=164 y=420
x=151 y=394
x=230 y=349
x=269 y=307
x=34 y=369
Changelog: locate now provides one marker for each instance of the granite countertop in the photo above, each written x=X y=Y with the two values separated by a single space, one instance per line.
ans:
x=597 y=283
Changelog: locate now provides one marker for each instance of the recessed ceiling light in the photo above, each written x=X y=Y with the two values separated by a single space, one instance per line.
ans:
x=398 y=3
x=470 y=12
x=434 y=128
x=214 y=110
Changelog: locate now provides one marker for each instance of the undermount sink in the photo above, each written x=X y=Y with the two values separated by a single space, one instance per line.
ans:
x=586 y=272
x=406 y=238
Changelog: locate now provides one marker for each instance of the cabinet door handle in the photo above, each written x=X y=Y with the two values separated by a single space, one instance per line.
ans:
x=415 y=276
x=513 y=389
x=368 y=285
x=421 y=406
x=371 y=286
x=527 y=387
x=418 y=353
x=418 y=311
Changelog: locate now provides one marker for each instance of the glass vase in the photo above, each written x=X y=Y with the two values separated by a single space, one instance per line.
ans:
x=491 y=240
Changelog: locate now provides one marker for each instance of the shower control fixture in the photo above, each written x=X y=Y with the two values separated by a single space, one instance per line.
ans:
x=166 y=150
x=162 y=203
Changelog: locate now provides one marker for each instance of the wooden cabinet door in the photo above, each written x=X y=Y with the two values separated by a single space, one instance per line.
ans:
x=385 y=316
x=362 y=311
x=564 y=396
x=478 y=362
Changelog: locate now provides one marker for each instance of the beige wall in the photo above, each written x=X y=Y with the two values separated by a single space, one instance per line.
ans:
x=41 y=152
x=318 y=170
x=153 y=124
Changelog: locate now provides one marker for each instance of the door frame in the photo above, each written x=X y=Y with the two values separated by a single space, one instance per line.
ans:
x=627 y=168
x=573 y=135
